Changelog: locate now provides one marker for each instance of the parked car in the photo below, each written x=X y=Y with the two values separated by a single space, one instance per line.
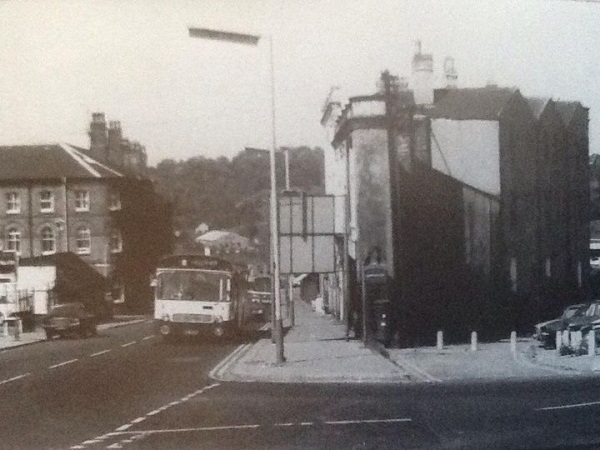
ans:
x=70 y=319
x=588 y=320
x=258 y=298
x=545 y=332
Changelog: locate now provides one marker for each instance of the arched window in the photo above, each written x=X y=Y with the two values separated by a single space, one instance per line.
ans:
x=48 y=241
x=13 y=241
x=84 y=240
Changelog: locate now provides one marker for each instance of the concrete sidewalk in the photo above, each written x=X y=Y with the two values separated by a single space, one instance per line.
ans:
x=316 y=350
x=38 y=335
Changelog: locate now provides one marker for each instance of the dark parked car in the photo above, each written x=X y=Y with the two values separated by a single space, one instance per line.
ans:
x=69 y=319
x=587 y=321
x=258 y=298
x=545 y=332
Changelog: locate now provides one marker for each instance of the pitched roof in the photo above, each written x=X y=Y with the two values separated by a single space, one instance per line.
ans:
x=473 y=103
x=50 y=161
x=567 y=110
x=537 y=105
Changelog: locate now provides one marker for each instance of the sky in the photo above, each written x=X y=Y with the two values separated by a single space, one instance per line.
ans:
x=181 y=97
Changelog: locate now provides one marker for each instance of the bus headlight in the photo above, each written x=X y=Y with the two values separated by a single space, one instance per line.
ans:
x=166 y=317
x=218 y=319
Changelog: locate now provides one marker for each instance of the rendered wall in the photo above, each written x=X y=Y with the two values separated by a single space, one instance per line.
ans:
x=468 y=150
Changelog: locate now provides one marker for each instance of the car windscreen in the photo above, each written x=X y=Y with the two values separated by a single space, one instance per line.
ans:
x=262 y=284
x=68 y=309
x=192 y=285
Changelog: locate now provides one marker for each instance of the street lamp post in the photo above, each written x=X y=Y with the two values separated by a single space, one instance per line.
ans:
x=249 y=39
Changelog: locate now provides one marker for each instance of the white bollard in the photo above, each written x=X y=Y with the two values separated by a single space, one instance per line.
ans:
x=474 y=341
x=440 y=340
x=591 y=343
x=576 y=338
x=5 y=328
x=565 y=338
x=18 y=329
x=558 y=341
x=513 y=341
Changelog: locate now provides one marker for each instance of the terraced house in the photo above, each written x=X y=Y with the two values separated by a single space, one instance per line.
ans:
x=56 y=198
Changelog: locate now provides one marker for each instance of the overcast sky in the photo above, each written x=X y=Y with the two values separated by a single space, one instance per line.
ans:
x=182 y=97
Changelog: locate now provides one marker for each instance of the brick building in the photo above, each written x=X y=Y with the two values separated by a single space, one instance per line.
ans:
x=56 y=198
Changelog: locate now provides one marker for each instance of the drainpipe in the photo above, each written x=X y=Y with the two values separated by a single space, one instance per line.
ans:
x=66 y=214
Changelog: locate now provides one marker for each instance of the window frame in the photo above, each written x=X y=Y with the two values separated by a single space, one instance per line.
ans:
x=51 y=239
x=50 y=200
x=82 y=204
x=115 y=236
x=114 y=200
x=86 y=249
x=17 y=202
x=13 y=231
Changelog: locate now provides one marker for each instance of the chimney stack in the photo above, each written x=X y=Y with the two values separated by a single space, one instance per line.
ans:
x=422 y=76
x=98 y=137
x=115 y=135
x=450 y=72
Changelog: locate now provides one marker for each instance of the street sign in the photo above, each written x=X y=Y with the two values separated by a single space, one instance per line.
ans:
x=308 y=225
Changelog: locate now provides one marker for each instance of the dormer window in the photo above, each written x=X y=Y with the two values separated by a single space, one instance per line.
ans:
x=82 y=201
x=46 y=201
x=13 y=203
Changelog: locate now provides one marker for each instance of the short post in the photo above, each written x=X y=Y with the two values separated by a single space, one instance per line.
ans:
x=440 y=340
x=5 y=328
x=576 y=339
x=591 y=337
x=513 y=342
x=474 y=341
x=565 y=338
x=558 y=341
x=18 y=324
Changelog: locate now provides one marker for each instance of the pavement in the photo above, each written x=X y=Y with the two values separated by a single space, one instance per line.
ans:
x=316 y=351
x=38 y=335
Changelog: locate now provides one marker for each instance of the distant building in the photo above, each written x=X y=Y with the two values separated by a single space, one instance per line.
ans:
x=476 y=199
x=56 y=198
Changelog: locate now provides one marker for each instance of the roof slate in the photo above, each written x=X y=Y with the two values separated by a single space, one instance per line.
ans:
x=567 y=110
x=50 y=161
x=473 y=103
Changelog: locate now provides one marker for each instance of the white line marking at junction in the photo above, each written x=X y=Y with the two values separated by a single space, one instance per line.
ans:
x=116 y=445
x=306 y=424
x=288 y=424
x=138 y=420
x=18 y=377
x=99 y=353
x=129 y=343
x=576 y=405
x=124 y=427
x=353 y=422
x=73 y=447
x=185 y=430
x=153 y=413
x=148 y=337
x=63 y=363
x=265 y=327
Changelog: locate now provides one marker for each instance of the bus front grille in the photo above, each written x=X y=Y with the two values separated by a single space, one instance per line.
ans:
x=193 y=318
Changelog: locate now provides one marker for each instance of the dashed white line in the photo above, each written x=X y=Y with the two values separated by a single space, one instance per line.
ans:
x=575 y=405
x=18 y=377
x=306 y=424
x=64 y=363
x=99 y=353
x=354 y=422
x=287 y=424
x=129 y=343
x=148 y=337
x=124 y=427
x=138 y=420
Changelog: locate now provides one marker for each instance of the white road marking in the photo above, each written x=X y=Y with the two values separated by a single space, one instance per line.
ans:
x=265 y=327
x=354 y=422
x=185 y=430
x=153 y=413
x=306 y=424
x=129 y=343
x=124 y=427
x=148 y=337
x=99 y=353
x=240 y=348
x=115 y=445
x=18 y=377
x=74 y=447
x=288 y=424
x=63 y=363
x=575 y=405
x=138 y=420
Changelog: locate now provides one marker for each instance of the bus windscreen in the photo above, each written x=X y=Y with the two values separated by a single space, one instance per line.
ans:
x=193 y=286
